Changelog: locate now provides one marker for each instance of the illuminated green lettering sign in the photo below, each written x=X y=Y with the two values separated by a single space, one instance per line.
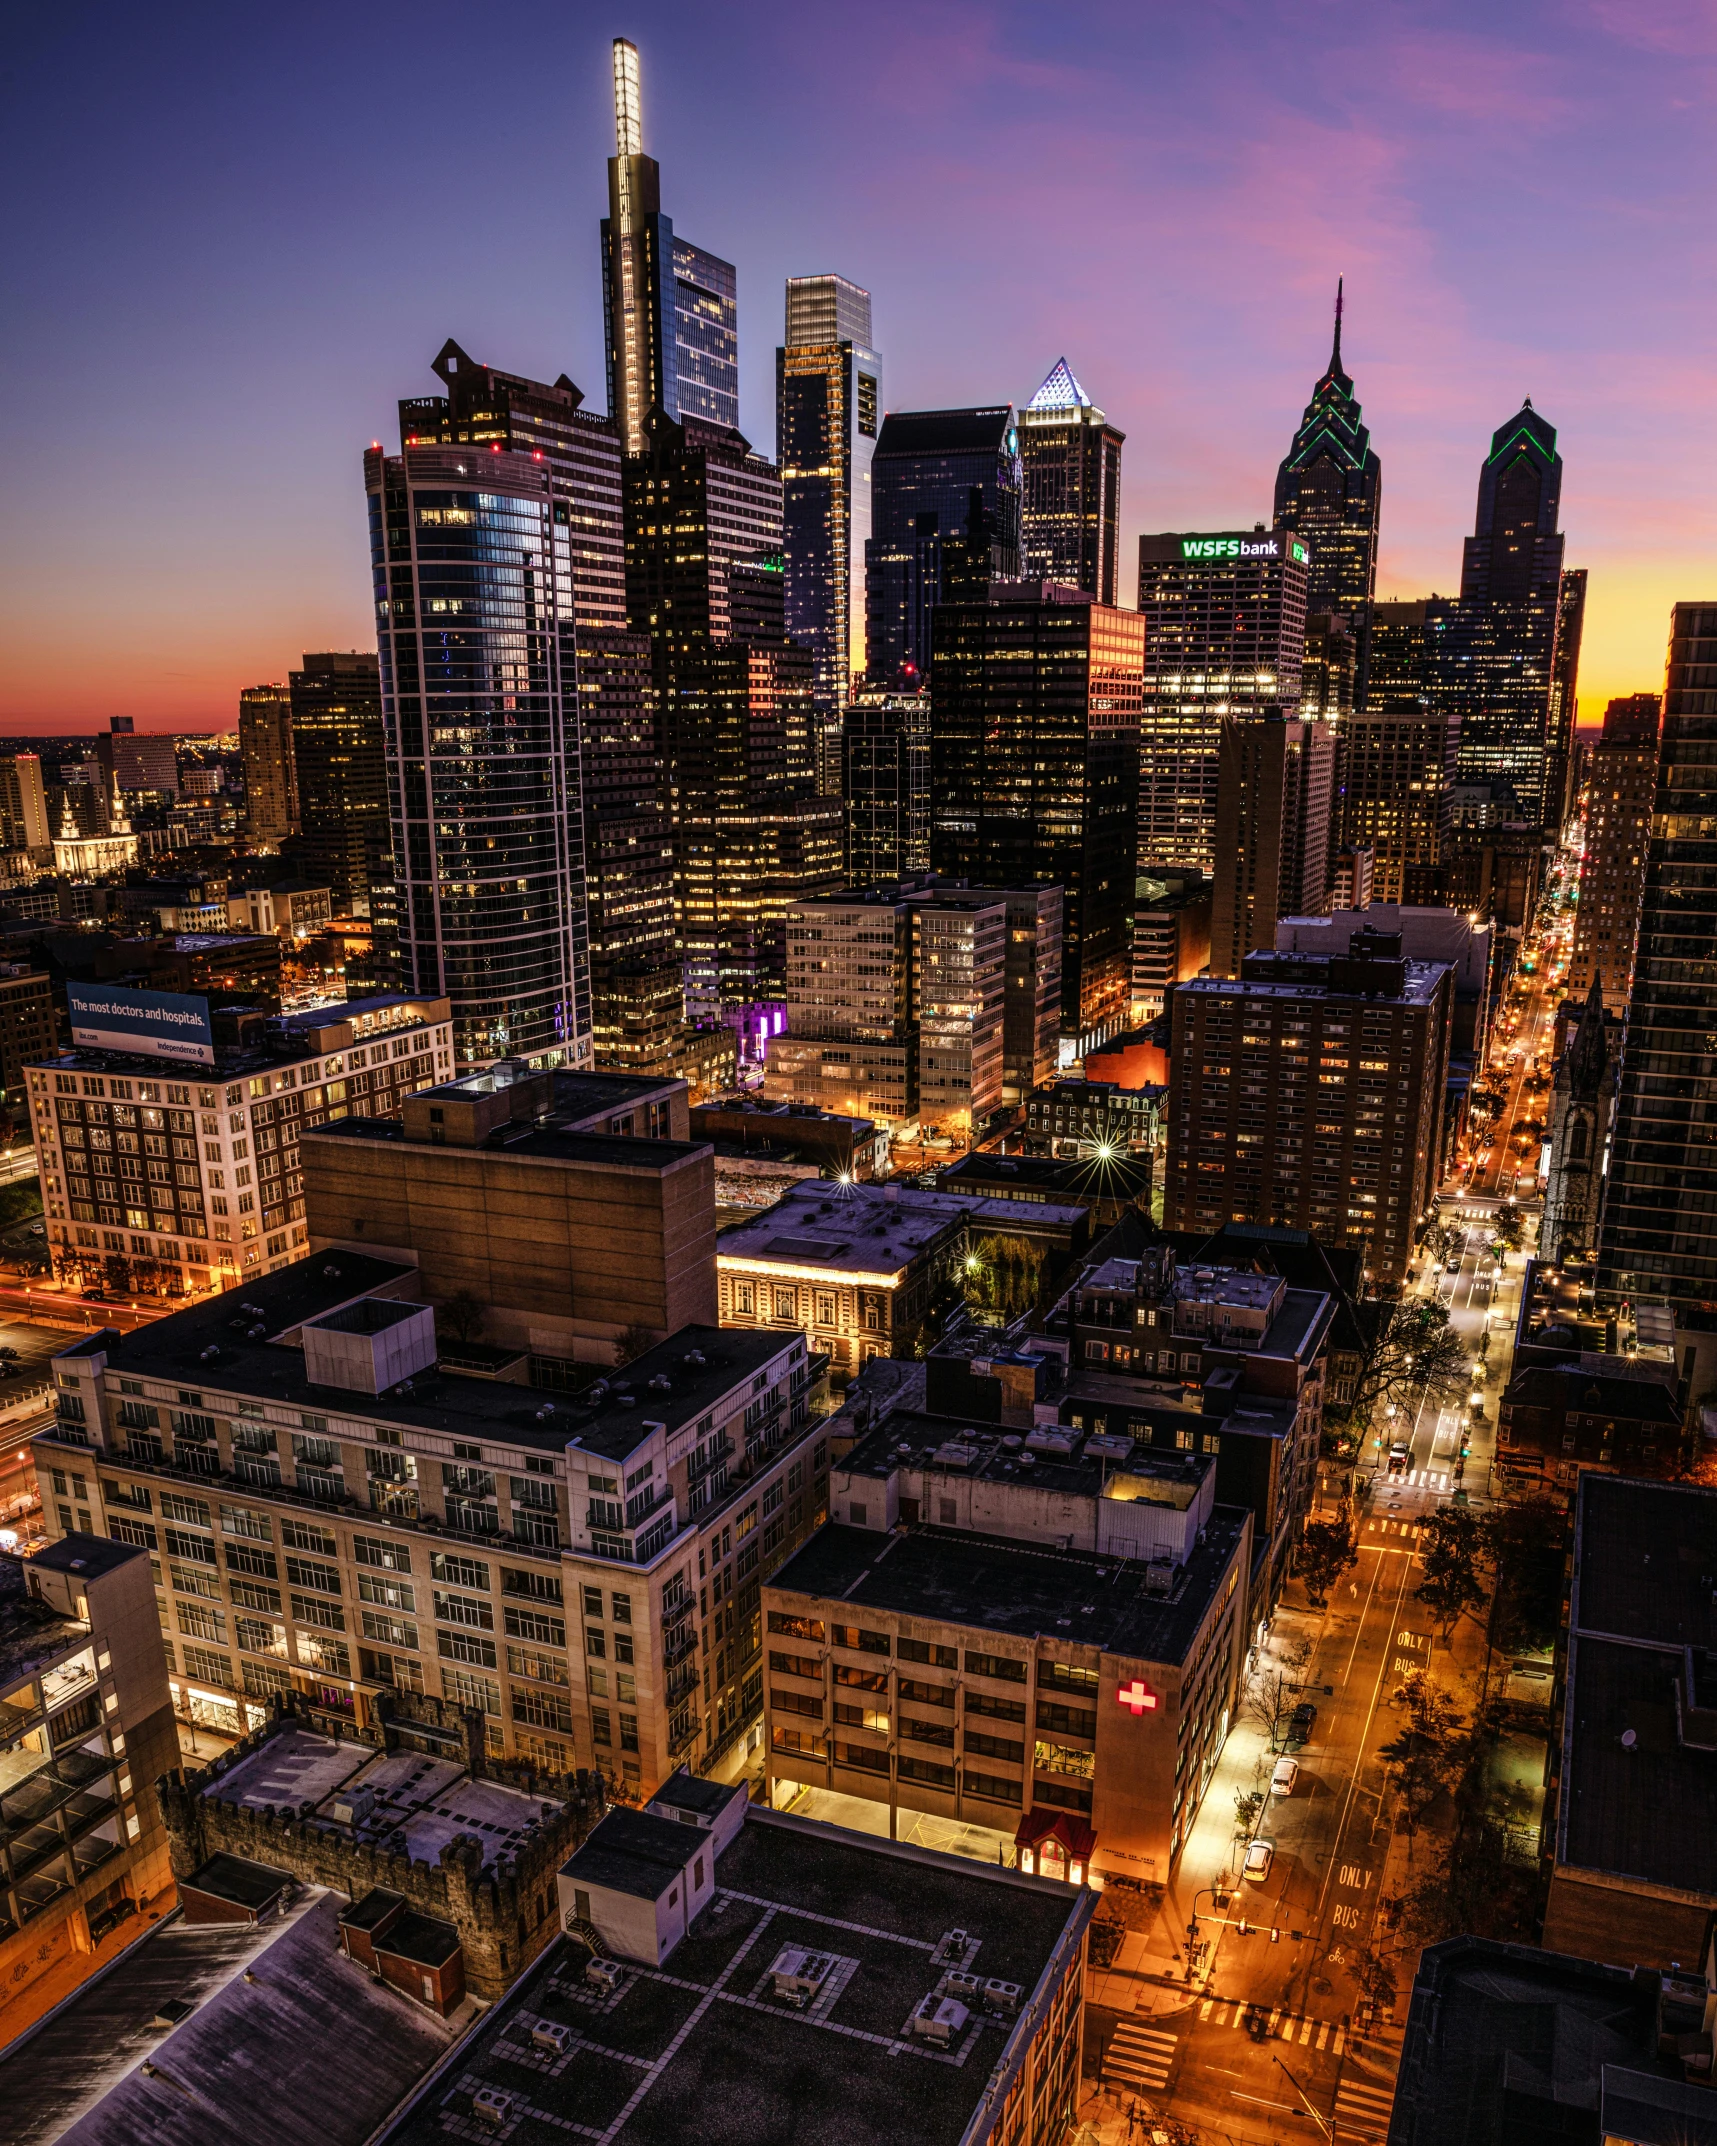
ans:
x=1242 y=547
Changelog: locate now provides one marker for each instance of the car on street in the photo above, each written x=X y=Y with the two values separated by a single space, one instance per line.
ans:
x=1259 y=1857
x=1300 y=1726
x=1287 y=1773
x=1400 y=1457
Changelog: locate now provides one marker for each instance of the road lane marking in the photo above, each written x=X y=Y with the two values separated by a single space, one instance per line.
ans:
x=1204 y=2008
x=1323 y=2033
x=1306 y=2032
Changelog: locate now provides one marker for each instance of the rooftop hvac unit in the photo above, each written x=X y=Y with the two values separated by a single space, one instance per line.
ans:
x=353 y=1806
x=603 y=1975
x=549 y=2034
x=952 y=1946
x=1059 y=1439
x=957 y=1983
x=1002 y=1996
x=799 y=1975
x=490 y=2105
x=939 y=2020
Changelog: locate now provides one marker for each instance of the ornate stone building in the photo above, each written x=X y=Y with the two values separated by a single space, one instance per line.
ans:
x=1582 y=1103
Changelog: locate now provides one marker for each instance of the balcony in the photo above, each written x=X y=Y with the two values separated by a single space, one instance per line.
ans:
x=37 y=1893
x=30 y=1850
x=682 y=1683
x=679 y=1641
x=89 y=1854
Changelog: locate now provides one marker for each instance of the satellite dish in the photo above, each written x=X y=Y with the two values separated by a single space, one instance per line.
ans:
x=1629 y=1739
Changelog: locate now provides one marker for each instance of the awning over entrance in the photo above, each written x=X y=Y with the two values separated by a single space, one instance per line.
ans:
x=1054 y=1844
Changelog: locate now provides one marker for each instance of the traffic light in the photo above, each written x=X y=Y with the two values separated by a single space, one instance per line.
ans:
x=1244 y=1927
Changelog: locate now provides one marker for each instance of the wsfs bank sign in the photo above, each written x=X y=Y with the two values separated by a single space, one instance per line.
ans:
x=1244 y=547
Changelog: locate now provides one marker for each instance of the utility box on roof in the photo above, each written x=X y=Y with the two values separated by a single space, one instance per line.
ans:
x=369 y=1347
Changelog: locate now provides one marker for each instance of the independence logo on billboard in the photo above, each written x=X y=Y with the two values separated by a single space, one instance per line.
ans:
x=149 y=1024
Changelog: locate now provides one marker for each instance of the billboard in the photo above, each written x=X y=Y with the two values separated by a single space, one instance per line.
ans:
x=1236 y=545
x=148 y=1024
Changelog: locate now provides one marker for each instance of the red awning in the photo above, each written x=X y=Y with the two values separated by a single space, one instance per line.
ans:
x=1067 y=1827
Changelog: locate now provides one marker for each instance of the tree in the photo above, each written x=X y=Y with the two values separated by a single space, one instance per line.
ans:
x=1527 y=1540
x=1248 y=1802
x=462 y=1315
x=1425 y=1758
x=1326 y=1550
x=1410 y=1349
x=1454 y=1544
x=1003 y=1276
x=1271 y=1698
x=1507 y=1228
x=1373 y=1977
x=1472 y=1889
x=633 y=1342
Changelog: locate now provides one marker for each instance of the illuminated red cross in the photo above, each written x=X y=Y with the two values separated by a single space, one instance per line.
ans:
x=1139 y=1696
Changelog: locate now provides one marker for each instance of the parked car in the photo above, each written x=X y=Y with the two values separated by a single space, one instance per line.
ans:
x=1283 y=1779
x=1400 y=1457
x=1259 y=1857
x=1452 y=1265
x=1300 y=1727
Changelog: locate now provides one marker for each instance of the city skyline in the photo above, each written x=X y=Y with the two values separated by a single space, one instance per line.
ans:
x=1202 y=330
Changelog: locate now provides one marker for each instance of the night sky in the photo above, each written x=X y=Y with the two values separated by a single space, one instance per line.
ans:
x=236 y=236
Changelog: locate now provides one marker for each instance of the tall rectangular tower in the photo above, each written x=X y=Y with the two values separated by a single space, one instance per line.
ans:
x=670 y=310
x=1618 y=830
x=1272 y=832
x=270 y=773
x=1070 y=469
x=1225 y=634
x=827 y=388
x=472 y=535
x=1658 y=1236
x=340 y=767
x=1034 y=772
x=1394 y=782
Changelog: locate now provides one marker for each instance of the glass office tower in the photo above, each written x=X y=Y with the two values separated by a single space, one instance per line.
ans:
x=1494 y=652
x=1034 y=769
x=1658 y=1236
x=1070 y=471
x=670 y=310
x=945 y=523
x=1329 y=491
x=826 y=408
x=472 y=543
x=340 y=761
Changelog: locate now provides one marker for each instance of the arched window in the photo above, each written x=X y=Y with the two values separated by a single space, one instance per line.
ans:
x=1577 y=1141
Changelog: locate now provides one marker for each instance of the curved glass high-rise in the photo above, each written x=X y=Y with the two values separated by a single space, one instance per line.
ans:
x=1329 y=490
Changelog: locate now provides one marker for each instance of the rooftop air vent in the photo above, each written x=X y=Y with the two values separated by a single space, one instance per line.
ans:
x=211 y=1354
x=661 y=1383
x=939 y=2020
x=545 y=1412
x=798 y=1975
x=696 y=1358
x=255 y=1310
x=625 y=1400
x=330 y=1274
x=491 y=2106
x=255 y=1333
x=598 y=1392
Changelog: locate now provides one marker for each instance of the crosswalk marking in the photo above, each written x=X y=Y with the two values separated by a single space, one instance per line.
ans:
x=1204 y=2008
x=1306 y=2032
x=1364 y=2107
x=1340 y=2037
x=1141 y=2056
x=1323 y=2033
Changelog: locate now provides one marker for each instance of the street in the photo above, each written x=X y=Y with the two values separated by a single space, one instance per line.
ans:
x=1250 y=2026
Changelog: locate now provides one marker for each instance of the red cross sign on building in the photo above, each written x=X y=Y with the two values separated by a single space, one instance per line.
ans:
x=1139 y=1696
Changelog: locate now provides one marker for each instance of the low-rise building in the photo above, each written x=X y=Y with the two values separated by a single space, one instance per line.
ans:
x=1557 y=1421
x=86 y=1726
x=1009 y=1631
x=290 y=909
x=861 y=1268
x=779 y=1981
x=334 y=1514
x=1105 y=1186
x=168 y=1178
x=26 y=1028
x=1086 y=1117
x=843 y=1147
x=1171 y=936
x=569 y=1210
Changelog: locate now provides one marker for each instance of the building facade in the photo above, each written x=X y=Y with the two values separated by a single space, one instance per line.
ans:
x=945 y=523
x=670 y=310
x=168 y=1179
x=1582 y=1103
x=582 y=1572
x=1275 y=779
x=86 y=1730
x=270 y=771
x=1659 y=1230
x=1394 y=777
x=1035 y=769
x=339 y=757
x=1309 y=1094
x=1225 y=634
x=1070 y=499
x=1329 y=491
x=23 y=803
x=1619 y=794
x=827 y=409
x=885 y=782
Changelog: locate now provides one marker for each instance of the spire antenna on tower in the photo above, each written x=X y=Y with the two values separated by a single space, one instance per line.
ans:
x=1335 y=354
x=628 y=100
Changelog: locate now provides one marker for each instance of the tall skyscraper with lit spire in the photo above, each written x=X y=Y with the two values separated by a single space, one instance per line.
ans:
x=670 y=310
x=1070 y=500
x=1329 y=491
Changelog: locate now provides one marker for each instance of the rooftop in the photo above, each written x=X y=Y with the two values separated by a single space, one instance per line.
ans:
x=871 y=1229
x=31 y=1634
x=278 y=1040
x=631 y=1852
x=702 y=2050
x=310 y=2052
x=531 y=1143
x=1297 y=980
x=419 y=1804
x=251 y=1331
x=1056 y=1461
x=1506 y=2042
x=990 y=1583
x=1645 y=1579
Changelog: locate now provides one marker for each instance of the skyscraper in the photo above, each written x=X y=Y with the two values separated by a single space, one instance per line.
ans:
x=340 y=766
x=945 y=519
x=270 y=775
x=1225 y=634
x=1495 y=653
x=1397 y=676
x=1394 y=777
x=1618 y=831
x=885 y=740
x=472 y=542
x=1275 y=776
x=670 y=310
x=826 y=413
x=1564 y=698
x=23 y=803
x=1070 y=471
x=1329 y=491
x=1035 y=701
x=1658 y=1235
